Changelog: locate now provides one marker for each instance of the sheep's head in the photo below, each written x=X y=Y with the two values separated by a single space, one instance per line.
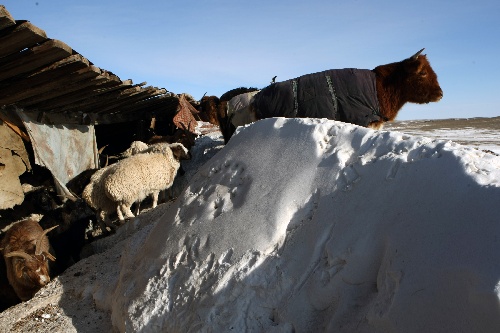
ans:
x=180 y=152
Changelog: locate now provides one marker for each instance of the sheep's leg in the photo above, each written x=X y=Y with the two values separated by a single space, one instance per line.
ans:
x=137 y=208
x=126 y=210
x=104 y=222
x=154 y=195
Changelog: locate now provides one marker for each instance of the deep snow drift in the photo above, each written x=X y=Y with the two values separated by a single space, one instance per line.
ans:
x=312 y=225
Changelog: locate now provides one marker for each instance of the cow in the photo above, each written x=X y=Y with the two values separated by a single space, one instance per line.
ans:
x=363 y=97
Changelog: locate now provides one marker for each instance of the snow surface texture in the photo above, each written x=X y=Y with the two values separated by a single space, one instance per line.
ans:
x=311 y=225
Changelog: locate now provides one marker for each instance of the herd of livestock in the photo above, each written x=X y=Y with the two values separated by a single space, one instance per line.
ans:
x=37 y=249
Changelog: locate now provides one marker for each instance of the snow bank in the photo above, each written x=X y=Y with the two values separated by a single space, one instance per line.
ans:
x=308 y=225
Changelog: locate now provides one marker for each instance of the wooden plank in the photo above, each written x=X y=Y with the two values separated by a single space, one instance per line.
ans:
x=93 y=100
x=48 y=90
x=35 y=58
x=82 y=118
x=152 y=99
x=84 y=91
x=23 y=36
x=41 y=81
x=80 y=99
x=128 y=100
x=71 y=93
x=6 y=20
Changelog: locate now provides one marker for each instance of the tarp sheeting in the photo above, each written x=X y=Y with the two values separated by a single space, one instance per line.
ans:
x=348 y=95
x=14 y=162
x=238 y=109
x=66 y=150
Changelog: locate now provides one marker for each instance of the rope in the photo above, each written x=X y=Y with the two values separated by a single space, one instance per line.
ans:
x=334 y=96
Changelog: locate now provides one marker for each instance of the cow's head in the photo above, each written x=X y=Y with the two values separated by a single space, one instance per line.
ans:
x=420 y=81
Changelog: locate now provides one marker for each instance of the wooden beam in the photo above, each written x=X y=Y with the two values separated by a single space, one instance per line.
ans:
x=51 y=89
x=6 y=20
x=35 y=58
x=41 y=81
x=79 y=89
x=95 y=101
x=23 y=36
x=82 y=118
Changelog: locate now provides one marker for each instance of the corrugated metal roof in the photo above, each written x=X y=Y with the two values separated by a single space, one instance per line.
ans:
x=57 y=85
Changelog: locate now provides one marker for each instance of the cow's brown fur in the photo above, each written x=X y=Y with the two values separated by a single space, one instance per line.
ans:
x=411 y=80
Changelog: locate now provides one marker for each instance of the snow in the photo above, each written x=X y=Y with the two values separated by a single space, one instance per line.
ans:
x=312 y=225
x=315 y=224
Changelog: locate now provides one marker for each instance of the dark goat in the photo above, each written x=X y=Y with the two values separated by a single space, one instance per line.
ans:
x=39 y=200
x=362 y=97
x=67 y=241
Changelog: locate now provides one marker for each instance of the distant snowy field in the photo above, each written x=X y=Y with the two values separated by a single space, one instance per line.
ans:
x=482 y=133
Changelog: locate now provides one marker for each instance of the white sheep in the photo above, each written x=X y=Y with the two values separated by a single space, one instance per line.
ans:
x=135 y=148
x=94 y=196
x=147 y=173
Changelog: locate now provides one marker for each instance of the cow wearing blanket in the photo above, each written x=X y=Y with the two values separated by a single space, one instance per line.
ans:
x=359 y=96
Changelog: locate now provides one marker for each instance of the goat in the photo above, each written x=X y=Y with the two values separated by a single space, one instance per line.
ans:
x=181 y=135
x=67 y=241
x=141 y=175
x=360 y=96
x=25 y=249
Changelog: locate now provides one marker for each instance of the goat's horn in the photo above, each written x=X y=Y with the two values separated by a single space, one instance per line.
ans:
x=102 y=149
x=415 y=56
x=68 y=197
x=49 y=256
x=20 y=254
x=39 y=240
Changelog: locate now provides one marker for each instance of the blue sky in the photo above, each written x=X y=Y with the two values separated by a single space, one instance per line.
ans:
x=216 y=45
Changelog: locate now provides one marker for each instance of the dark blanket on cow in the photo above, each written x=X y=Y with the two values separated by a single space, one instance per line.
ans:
x=347 y=95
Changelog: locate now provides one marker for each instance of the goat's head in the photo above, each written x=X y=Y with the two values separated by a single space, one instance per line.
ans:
x=30 y=266
x=180 y=152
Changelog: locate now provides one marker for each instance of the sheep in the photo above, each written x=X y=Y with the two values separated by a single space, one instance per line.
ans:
x=138 y=176
x=93 y=192
x=25 y=249
x=135 y=148
x=94 y=196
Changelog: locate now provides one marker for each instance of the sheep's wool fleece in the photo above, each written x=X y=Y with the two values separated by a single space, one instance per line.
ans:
x=136 y=177
x=348 y=95
x=93 y=193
